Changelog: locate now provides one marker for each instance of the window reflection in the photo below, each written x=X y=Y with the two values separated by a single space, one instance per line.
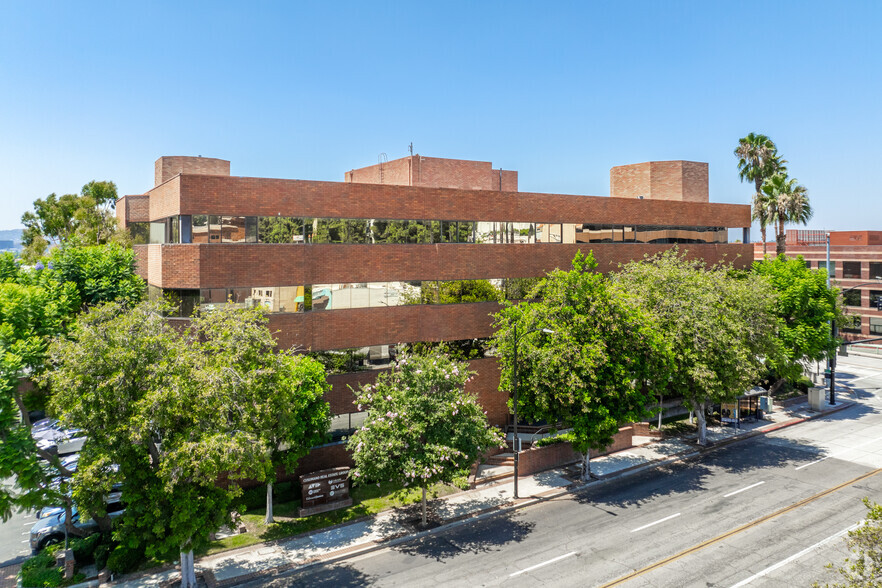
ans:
x=201 y=228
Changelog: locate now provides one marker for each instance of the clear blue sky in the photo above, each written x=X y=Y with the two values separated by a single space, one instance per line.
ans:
x=558 y=91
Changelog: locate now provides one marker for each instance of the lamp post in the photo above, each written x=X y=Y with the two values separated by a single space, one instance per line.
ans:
x=517 y=445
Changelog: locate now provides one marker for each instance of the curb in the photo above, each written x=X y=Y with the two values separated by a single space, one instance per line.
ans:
x=404 y=537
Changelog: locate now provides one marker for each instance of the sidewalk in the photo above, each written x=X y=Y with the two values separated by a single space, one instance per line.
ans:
x=235 y=567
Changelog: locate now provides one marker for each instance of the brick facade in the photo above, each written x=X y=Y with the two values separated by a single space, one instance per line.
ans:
x=167 y=167
x=434 y=172
x=484 y=384
x=661 y=180
x=417 y=188
x=863 y=247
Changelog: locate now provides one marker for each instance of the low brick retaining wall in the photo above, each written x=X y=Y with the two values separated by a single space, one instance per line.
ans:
x=644 y=430
x=538 y=459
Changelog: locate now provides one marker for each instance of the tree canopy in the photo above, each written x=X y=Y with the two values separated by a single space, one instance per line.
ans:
x=599 y=368
x=84 y=219
x=36 y=305
x=173 y=413
x=720 y=323
x=422 y=427
x=804 y=306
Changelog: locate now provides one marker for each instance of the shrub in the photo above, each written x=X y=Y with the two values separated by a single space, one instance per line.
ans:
x=40 y=571
x=554 y=440
x=84 y=548
x=124 y=559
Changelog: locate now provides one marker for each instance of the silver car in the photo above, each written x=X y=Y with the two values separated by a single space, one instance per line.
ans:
x=50 y=529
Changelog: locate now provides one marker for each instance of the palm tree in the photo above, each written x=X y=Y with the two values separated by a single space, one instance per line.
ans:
x=790 y=203
x=758 y=160
x=764 y=214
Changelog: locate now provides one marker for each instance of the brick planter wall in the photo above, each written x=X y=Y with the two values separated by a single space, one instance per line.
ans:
x=539 y=459
x=643 y=430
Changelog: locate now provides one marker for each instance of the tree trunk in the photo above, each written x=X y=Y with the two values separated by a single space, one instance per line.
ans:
x=188 y=567
x=702 y=422
x=69 y=528
x=763 y=237
x=424 y=506
x=781 y=239
x=269 y=504
x=586 y=466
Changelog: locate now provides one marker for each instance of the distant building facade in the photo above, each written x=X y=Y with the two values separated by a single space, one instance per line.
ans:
x=855 y=259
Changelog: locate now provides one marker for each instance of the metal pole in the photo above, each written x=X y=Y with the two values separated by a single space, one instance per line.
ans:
x=516 y=439
x=831 y=357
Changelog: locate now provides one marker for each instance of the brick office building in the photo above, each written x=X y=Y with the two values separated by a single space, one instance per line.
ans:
x=340 y=265
x=855 y=258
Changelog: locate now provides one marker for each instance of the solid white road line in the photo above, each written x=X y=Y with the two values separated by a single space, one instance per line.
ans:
x=794 y=557
x=876 y=375
x=537 y=566
x=743 y=489
x=655 y=523
x=838 y=453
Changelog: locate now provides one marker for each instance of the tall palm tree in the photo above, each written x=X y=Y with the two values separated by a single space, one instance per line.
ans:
x=790 y=203
x=764 y=214
x=758 y=160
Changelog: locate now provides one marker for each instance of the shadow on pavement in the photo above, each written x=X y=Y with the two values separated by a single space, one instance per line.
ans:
x=322 y=575
x=479 y=538
x=688 y=476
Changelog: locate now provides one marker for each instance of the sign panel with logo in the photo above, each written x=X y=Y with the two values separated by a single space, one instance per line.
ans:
x=324 y=490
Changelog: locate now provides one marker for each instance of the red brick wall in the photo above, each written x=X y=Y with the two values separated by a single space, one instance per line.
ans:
x=661 y=180
x=165 y=199
x=539 y=459
x=141 y=260
x=855 y=238
x=435 y=172
x=485 y=384
x=396 y=172
x=167 y=167
x=133 y=209
x=271 y=197
x=240 y=265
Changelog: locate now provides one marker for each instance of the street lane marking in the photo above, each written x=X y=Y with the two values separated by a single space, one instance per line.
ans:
x=838 y=453
x=655 y=523
x=698 y=547
x=743 y=489
x=876 y=375
x=537 y=566
x=794 y=557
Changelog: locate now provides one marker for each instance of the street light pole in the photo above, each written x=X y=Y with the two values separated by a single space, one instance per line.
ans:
x=831 y=358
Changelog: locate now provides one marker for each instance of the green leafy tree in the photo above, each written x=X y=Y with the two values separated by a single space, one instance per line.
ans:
x=176 y=412
x=281 y=394
x=101 y=274
x=721 y=325
x=422 y=428
x=84 y=219
x=33 y=309
x=601 y=365
x=804 y=306
x=863 y=568
x=35 y=306
x=758 y=160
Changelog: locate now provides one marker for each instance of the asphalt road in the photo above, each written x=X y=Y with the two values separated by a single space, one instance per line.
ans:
x=768 y=511
x=14 y=535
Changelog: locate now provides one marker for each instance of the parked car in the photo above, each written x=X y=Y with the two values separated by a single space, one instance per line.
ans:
x=50 y=529
x=51 y=437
